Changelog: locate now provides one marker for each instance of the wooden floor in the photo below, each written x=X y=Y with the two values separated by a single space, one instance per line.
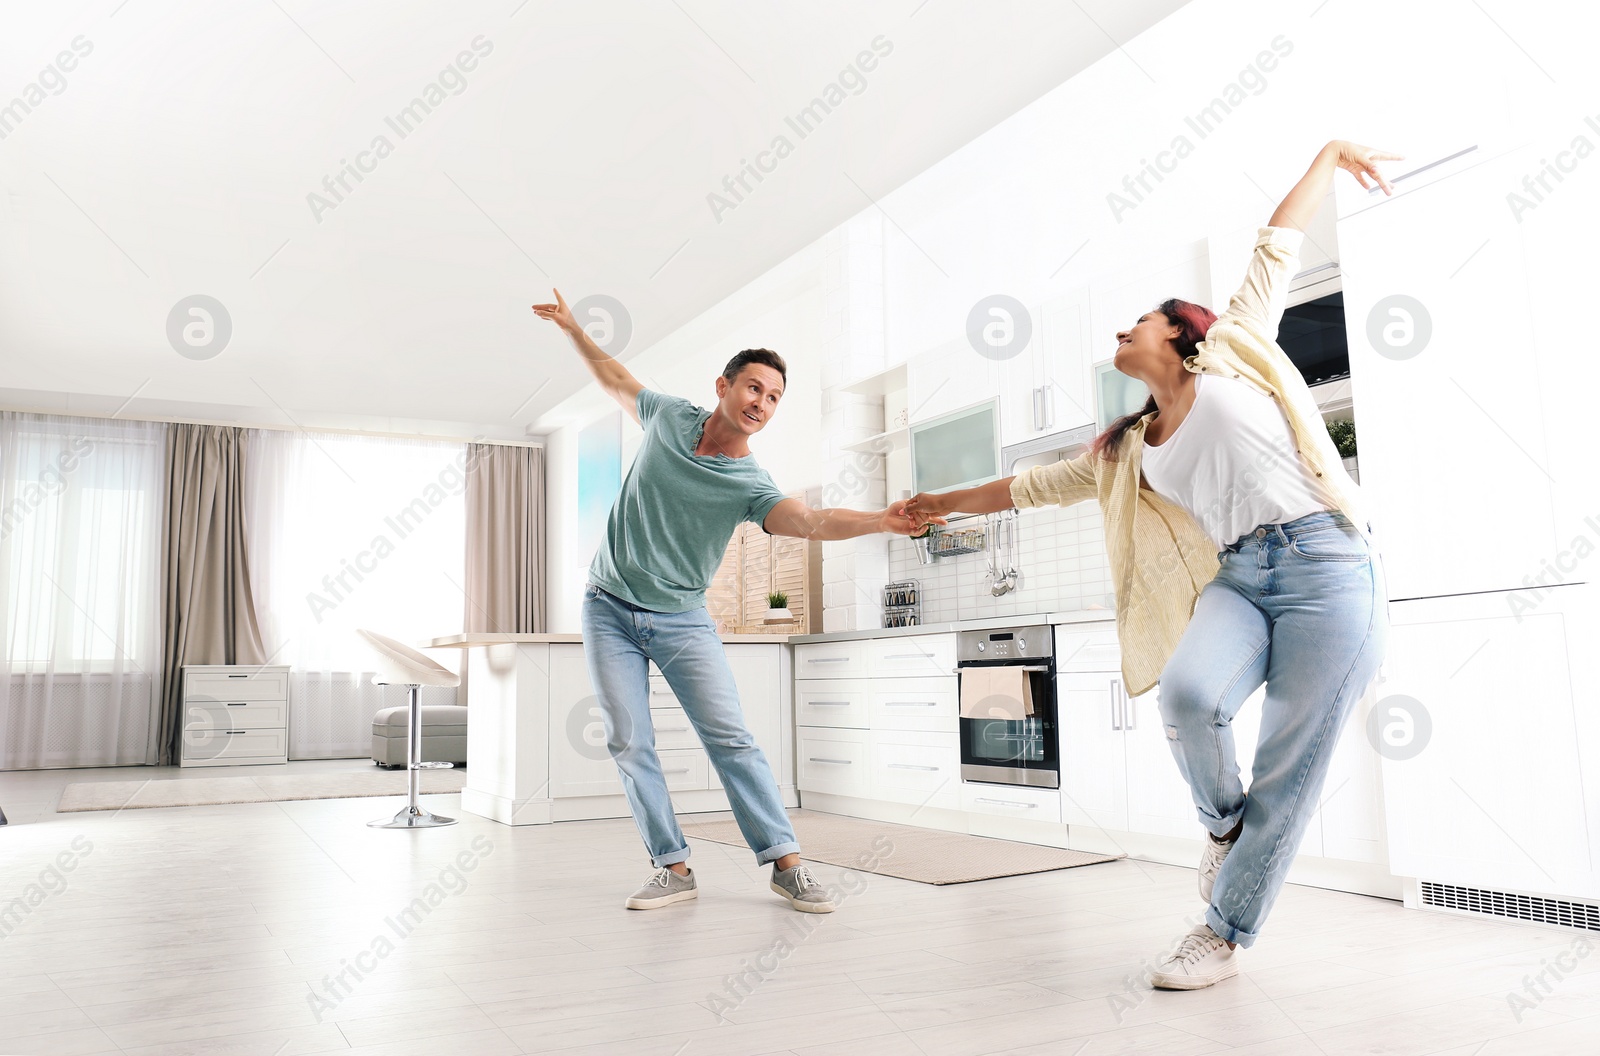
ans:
x=208 y=930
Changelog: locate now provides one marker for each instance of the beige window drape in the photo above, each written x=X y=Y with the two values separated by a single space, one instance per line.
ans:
x=505 y=539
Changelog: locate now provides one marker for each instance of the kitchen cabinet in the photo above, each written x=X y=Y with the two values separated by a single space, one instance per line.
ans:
x=1117 y=772
x=1451 y=389
x=1047 y=388
x=1491 y=742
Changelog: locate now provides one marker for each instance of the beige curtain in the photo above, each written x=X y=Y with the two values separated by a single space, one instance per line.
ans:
x=208 y=613
x=505 y=539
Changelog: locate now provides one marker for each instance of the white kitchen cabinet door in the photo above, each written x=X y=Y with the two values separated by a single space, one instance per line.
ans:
x=1066 y=357
x=1159 y=800
x=1445 y=263
x=580 y=763
x=947 y=378
x=1350 y=808
x=1484 y=721
x=1094 y=772
x=759 y=673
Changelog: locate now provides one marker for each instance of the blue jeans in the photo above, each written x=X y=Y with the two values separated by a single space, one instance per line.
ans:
x=619 y=640
x=1301 y=606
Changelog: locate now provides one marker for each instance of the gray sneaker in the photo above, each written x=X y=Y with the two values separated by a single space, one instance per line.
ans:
x=802 y=890
x=664 y=888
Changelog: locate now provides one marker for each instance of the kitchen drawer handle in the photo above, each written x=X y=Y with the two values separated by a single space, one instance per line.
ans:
x=910 y=766
x=827 y=659
x=230 y=733
x=673 y=729
x=911 y=703
x=238 y=676
x=828 y=703
x=661 y=692
x=677 y=770
x=819 y=759
x=908 y=656
x=1007 y=803
x=238 y=703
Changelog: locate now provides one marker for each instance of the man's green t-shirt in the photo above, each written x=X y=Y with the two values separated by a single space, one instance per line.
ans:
x=676 y=511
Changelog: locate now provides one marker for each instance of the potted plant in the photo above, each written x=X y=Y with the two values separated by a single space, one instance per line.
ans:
x=778 y=608
x=1343 y=433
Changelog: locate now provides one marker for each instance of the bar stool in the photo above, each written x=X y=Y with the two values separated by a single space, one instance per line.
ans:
x=405 y=666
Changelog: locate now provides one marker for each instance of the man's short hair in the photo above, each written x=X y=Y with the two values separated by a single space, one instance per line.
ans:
x=764 y=356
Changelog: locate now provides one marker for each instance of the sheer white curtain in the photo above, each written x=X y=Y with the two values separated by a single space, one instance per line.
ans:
x=348 y=532
x=81 y=502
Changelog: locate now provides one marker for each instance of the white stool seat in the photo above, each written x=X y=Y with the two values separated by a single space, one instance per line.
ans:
x=405 y=666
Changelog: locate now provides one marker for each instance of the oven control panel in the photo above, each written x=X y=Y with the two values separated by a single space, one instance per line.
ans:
x=1005 y=643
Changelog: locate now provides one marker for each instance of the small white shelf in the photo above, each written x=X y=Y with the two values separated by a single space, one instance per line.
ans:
x=880 y=384
x=896 y=439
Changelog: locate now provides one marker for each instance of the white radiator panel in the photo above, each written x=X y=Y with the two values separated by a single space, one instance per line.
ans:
x=53 y=721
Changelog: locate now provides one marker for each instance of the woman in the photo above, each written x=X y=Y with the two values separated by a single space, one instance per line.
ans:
x=1240 y=556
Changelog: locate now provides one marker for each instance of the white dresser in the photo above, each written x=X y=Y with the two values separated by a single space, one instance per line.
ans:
x=235 y=715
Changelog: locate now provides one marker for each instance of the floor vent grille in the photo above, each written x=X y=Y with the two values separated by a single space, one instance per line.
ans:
x=1536 y=908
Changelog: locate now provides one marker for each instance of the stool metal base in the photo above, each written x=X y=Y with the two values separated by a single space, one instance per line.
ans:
x=412 y=816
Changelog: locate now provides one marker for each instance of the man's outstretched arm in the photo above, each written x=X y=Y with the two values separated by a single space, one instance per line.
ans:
x=613 y=377
x=793 y=517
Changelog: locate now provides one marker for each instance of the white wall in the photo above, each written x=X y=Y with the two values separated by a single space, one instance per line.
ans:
x=781 y=310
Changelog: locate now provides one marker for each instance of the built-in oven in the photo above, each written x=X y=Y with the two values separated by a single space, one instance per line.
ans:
x=1008 y=706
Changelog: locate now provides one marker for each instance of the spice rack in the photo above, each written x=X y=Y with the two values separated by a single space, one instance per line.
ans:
x=902 y=604
x=947 y=542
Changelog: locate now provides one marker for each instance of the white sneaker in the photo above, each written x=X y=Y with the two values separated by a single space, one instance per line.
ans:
x=663 y=889
x=1200 y=959
x=1211 y=861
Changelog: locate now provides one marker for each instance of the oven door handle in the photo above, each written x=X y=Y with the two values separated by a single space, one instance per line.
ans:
x=1030 y=667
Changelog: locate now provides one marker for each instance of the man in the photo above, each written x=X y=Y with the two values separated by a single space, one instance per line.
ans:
x=691 y=484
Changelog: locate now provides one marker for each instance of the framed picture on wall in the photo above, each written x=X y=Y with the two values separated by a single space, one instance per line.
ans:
x=1116 y=394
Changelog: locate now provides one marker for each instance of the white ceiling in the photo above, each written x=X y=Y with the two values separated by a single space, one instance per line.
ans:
x=178 y=157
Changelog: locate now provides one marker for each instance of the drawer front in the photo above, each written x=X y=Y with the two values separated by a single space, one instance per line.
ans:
x=685 y=769
x=831 y=660
x=921 y=768
x=932 y=705
x=673 y=730
x=917 y=656
x=222 y=746
x=1096 y=649
x=221 y=686
x=235 y=715
x=661 y=694
x=832 y=761
x=841 y=702
x=1008 y=801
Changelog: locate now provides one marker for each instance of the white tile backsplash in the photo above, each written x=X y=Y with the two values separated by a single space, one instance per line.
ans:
x=1061 y=565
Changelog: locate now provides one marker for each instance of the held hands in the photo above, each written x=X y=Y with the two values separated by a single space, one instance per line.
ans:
x=1363 y=162
x=558 y=313
x=927 y=509
x=900 y=519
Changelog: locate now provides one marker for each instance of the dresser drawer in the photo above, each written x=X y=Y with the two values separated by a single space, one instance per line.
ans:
x=923 y=655
x=932 y=705
x=920 y=768
x=831 y=660
x=235 y=715
x=832 y=702
x=1012 y=801
x=686 y=769
x=832 y=761
x=224 y=686
x=219 y=747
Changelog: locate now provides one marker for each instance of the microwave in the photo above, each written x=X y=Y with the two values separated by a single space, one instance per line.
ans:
x=957 y=450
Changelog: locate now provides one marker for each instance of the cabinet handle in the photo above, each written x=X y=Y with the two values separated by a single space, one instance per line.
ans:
x=661 y=692
x=237 y=703
x=910 y=766
x=911 y=703
x=1007 y=803
x=673 y=729
x=677 y=770
x=230 y=733
x=1116 y=703
x=828 y=703
x=818 y=759
x=1048 y=392
x=1036 y=425
x=238 y=676
x=827 y=660
x=908 y=656
x=1128 y=708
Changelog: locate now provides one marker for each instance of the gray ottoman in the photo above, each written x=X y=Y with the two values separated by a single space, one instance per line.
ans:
x=444 y=735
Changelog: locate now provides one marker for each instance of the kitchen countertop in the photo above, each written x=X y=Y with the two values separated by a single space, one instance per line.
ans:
x=1021 y=620
x=467 y=641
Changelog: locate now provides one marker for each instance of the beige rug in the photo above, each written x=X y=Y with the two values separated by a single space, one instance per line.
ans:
x=265 y=788
x=928 y=856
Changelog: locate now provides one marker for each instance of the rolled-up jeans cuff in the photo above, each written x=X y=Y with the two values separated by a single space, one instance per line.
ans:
x=772 y=854
x=1222 y=826
x=670 y=858
x=1227 y=931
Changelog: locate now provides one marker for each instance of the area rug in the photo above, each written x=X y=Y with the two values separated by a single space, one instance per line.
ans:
x=266 y=788
x=928 y=856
